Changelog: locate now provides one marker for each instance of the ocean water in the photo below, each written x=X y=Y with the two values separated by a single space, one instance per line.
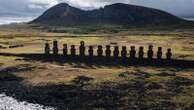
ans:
x=9 y=20
x=9 y=103
x=190 y=19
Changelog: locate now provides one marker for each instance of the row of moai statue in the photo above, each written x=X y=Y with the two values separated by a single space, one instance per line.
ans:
x=116 y=52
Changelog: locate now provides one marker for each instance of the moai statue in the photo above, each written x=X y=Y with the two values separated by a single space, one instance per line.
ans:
x=47 y=49
x=141 y=52
x=73 y=50
x=169 y=54
x=132 y=52
x=65 y=49
x=108 y=51
x=116 y=51
x=150 y=52
x=55 y=47
x=91 y=51
x=100 y=51
x=82 y=48
x=159 y=53
x=124 y=52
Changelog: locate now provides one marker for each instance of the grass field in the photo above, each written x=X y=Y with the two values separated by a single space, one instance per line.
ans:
x=79 y=86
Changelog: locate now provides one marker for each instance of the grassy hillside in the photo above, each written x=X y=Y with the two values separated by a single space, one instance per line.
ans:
x=97 y=87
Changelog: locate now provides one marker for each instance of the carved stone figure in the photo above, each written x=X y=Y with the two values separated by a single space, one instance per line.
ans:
x=108 y=51
x=47 y=49
x=65 y=50
x=124 y=52
x=73 y=50
x=55 y=47
x=150 y=52
x=100 y=51
x=91 y=51
x=132 y=52
x=169 y=54
x=116 y=51
x=159 y=53
x=82 y=48
x=141 y=52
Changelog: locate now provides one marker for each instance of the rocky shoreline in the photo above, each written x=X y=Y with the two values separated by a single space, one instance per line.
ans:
x=9 y=103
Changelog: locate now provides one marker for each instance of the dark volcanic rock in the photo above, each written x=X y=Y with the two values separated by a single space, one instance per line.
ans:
x=115 y=14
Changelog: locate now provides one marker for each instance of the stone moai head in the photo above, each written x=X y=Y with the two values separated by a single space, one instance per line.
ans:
x=133 y=48
x=107 y=47
x=47 y=45
x=169 y=50
x=159 y=49
x=55 y=43
x=150 y=47
x=116 y=48
x=124 y=48
x=91 y=48
x=82 y=43
x=141 y=48
x=72 y=47
x=64 y=46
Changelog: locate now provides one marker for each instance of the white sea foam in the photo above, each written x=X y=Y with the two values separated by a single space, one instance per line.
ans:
x=9 y=103
x=8 y=20
x=190 y=19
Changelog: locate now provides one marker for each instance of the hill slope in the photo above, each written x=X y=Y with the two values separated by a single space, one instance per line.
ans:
x=115 y=14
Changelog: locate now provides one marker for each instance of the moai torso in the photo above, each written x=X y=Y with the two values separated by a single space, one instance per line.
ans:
x=65 y=49
x=100 y=51
x=55 y=48
x=169 y=54
x=73 y=50
x=82 y=48
x=124 y=52
x=159 y=53
x=116 y=51
x=150 y=52
x=141 y=52
x=47 y=49
x=91 y=51
x=132 y=52
x=108 y=51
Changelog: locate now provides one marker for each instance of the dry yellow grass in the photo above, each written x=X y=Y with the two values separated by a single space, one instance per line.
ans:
x=42 y=74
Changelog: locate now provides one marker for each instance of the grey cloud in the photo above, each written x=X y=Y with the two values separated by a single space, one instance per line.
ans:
x=182 y=8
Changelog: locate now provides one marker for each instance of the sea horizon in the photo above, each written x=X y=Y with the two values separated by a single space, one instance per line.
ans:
x=10 y=20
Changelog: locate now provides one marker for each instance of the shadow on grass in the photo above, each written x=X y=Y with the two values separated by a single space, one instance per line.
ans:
x=129 y=94
x=135 y=93
x=105 y=61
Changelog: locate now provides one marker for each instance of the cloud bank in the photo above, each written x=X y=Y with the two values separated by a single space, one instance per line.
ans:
x=181 y=8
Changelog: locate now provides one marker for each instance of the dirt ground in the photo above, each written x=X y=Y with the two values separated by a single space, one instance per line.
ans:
x=79 y=86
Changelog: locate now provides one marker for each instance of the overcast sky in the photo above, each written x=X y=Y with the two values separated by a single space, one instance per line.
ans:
x=23 y=8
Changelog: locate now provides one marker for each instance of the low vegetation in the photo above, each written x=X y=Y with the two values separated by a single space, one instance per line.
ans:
x=80 y=86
